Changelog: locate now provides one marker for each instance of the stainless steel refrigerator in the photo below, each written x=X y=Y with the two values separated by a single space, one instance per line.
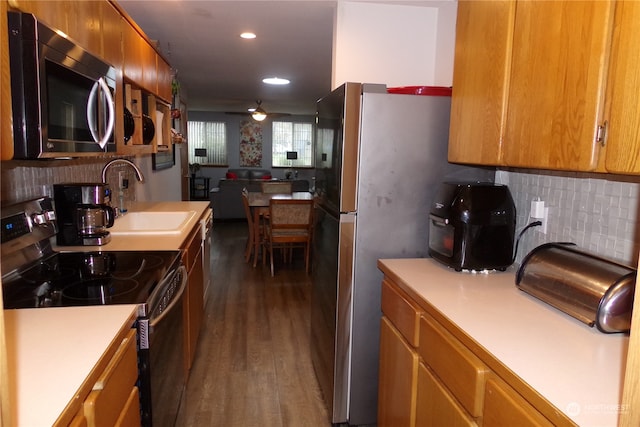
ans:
x=380 y=158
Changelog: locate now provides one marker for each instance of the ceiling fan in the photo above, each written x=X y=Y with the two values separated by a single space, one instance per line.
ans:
x=258 y=113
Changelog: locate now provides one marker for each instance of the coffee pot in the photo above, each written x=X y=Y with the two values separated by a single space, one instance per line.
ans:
x=83 y=213
x=93 y=220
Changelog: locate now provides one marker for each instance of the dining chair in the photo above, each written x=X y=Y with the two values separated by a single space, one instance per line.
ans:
x=289 y=226
x=252 y=228
x=276 y=187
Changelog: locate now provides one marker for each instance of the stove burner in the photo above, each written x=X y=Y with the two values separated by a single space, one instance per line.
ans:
x=47 y=271
x=150 y=262
x=99 y=291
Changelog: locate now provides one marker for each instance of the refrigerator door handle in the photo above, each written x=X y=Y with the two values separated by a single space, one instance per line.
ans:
x=344 y=316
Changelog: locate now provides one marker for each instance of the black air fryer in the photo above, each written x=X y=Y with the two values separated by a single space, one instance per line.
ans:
x=472 y=226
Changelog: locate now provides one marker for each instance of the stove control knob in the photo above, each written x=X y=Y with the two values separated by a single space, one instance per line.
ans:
x=43 y=218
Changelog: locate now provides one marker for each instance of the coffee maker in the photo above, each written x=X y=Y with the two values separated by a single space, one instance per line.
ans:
x=83 y=213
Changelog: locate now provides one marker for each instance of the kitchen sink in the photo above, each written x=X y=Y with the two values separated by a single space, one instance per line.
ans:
x=151 y=223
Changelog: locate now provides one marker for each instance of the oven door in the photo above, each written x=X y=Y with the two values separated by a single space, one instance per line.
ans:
x=162 y=366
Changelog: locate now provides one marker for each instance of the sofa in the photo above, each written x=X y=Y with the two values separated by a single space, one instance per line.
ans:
x=226 y=198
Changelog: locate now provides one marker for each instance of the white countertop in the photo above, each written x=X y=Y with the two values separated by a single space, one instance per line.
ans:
x=52 y=351
x=165 y=242
x=577 y=368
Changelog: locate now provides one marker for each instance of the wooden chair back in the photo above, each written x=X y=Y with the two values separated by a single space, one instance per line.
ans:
x=250 y=239
x=276 y=187
x=290 y=225
x=291 y=215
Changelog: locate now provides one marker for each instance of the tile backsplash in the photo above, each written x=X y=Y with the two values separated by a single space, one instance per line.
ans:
x=25 y=180
x=597 y=212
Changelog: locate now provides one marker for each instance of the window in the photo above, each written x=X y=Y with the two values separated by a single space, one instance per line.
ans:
x=207 y=143
x=295 y=138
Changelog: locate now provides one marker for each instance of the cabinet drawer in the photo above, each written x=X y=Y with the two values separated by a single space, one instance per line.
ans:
x=130 y=415
x=436 y=407
x=110 y=393
x=192 y=246
x=504 y=407
x=459 y=369
x=404 y=315
x=79 y=420
x=398 y=379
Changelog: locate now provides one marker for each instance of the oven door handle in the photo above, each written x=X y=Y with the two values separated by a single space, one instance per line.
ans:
x=177 y=298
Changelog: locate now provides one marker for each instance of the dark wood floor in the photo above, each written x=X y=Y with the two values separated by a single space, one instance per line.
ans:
x=252 y=366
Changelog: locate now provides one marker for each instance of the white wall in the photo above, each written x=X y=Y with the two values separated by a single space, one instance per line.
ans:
x=160 y=185
x=376 y=43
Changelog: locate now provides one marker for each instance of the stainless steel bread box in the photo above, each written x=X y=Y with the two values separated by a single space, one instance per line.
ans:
x=590 y=288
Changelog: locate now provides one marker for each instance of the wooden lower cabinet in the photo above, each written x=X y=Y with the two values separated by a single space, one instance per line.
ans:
x=437 y=407
x=79 y=420
x=504 y=407
x=130 y=415
x=114 y=399
x=456 y=366
x=398 y=378
x=429 y=378
x=194 y=301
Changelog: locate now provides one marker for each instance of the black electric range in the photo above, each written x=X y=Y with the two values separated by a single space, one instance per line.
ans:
x=34 y=275
x=92 y=278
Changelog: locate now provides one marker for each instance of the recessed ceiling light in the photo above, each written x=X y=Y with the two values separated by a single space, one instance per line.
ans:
x=248 y=35
x=275 y=81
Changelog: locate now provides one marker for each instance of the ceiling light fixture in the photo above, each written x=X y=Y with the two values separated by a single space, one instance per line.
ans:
x=248 y=35
x=258 y=113
x=275 y=81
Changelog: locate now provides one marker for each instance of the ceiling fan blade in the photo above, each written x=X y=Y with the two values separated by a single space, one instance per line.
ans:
x=243 y=113
x=259 y=107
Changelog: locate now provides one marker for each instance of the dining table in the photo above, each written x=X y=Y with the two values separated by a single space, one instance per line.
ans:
x=259 y=204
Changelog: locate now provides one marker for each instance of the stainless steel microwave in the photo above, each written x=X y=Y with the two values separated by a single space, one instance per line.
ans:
x=62 y=96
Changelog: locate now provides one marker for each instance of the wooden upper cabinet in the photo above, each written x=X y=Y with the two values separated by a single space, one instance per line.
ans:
x=51 y=13
x=143 y=66
x=80 y=20
x=149 y=59
x=111 y=35
x=529 y=85
x=623 y=103
x=84 y=24
x=6 y=130
x=164 y=80
x=480 y=80
x=556 y=88
x=132 y=53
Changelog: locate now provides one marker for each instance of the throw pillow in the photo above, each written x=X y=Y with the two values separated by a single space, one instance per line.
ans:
x=231 y=175
x=266 y=177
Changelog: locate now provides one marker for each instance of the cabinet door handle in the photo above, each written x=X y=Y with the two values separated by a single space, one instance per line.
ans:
x=601 y=133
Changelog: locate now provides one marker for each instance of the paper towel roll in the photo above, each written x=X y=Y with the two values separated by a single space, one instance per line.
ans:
x=159 y=122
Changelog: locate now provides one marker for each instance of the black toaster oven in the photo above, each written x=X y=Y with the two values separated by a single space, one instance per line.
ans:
x=472 y=226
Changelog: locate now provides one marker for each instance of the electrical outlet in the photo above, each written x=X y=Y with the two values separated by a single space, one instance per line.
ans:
x=540 y=212
x=545 y=221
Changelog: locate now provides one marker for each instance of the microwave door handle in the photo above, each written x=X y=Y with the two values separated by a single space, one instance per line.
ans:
x=102 y=142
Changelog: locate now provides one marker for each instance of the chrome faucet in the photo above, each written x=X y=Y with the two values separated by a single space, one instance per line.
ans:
x=139 y=175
